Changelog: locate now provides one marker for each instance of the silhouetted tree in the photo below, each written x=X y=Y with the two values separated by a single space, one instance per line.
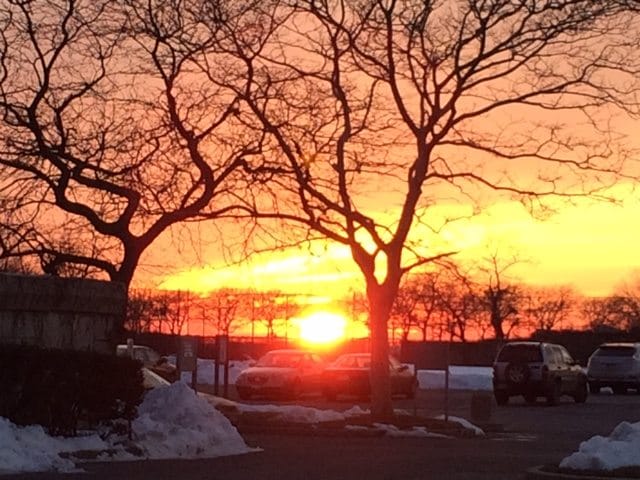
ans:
x=501 y=298
x=221 y=309
x=120 y=120
x=372 y=105
x=547 y=309
x=145 y=310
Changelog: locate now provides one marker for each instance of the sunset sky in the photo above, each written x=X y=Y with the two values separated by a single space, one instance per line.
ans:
x=591 y=246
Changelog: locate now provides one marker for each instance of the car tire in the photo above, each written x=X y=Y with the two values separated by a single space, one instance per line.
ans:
x=553 y=396
x=502 y=397
x=594 y=387
x=517 y=373
x=530 y=398
x=582 y=393
x=619 y=390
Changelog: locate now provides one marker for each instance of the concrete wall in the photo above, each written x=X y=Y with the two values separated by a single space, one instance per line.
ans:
x=60 y=313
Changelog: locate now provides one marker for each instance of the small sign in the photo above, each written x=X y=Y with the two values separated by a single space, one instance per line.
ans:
x=188 y=359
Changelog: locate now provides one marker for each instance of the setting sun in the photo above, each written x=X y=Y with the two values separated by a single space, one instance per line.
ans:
x=322 y=328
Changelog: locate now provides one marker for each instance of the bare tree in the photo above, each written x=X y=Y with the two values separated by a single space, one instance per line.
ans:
x=351 y=108
x=459 y=304
x=178 y=307
x=116 y=126
x=501 y=296
x=617 y=311
x=356 y=305
x=547 y=309
x=405 y=312
x=430 y=312
x=223 y=308
x=268 y=310
x=143 y=309
x=372 y=105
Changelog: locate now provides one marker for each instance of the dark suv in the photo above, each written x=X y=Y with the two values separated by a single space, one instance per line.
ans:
x=537 y=369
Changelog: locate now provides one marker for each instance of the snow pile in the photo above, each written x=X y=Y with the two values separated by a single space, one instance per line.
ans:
x=30 y=449
x=460 y=378
x=174 y=422
x=620 y=449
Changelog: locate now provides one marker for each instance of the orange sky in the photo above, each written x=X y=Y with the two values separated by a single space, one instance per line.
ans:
x=591 y=246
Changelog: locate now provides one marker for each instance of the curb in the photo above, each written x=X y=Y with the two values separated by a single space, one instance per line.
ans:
x=333 y=430
x=538 y=473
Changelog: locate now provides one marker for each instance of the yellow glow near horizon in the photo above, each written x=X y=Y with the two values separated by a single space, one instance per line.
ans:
x=589 y=245
x=322 y=328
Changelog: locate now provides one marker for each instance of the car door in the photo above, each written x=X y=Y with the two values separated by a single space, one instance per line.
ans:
x=574 y=371
x=565 y=368
x=550 y=360
x=312 y=366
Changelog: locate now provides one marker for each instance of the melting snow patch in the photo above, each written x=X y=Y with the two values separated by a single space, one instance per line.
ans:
x=620 y=449
x=393 y=431
x=478 y=432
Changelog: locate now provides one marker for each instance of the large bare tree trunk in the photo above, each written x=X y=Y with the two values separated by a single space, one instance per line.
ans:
x=380 y=302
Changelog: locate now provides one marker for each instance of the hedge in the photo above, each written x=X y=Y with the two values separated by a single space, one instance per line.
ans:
x=61 y=389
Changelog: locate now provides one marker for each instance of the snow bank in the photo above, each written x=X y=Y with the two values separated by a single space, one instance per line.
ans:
x=460 y=378
x=174 y=422
x=620 y=449
x=31 y=449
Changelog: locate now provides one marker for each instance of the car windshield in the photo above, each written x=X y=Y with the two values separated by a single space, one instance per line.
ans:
x=615 y=351
x=353 y=361
x=280 y=359
x=520 y=353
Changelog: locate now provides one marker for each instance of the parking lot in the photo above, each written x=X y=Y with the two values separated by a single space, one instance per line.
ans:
x=525 y=436
x=558 y=429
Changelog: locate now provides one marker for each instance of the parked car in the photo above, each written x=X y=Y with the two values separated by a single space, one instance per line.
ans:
x=537 y=369
x=151 y=360
x=282 y=373
x=350 y=374
x=615 y=365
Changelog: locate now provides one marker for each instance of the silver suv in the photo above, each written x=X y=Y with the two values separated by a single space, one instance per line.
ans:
x=615 y=365
x=537 y=369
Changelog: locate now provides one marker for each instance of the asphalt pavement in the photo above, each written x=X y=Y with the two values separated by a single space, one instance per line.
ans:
x=523 y=436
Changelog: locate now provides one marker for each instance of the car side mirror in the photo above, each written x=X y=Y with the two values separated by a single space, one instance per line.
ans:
x=403 y=368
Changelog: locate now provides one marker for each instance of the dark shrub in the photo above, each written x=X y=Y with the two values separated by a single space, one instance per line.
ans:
x=58 y=389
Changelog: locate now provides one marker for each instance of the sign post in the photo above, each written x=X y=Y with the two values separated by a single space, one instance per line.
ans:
x=222 y=360
x=188 y=358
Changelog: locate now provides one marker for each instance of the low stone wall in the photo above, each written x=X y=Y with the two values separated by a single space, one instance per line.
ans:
x=62 y=313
